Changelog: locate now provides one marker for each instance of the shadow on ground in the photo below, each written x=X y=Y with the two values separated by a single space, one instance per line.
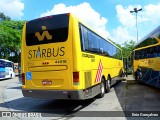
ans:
x=56 y=108
x=134 y=97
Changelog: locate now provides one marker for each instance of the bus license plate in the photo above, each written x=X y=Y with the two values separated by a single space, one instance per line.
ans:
x=46 y=82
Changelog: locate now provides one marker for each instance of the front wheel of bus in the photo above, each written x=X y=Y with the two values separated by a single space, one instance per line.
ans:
x=139 y=77
x=102 y=89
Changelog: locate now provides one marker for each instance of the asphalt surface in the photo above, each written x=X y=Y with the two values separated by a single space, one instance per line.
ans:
x=125 y=97
x=14 y=101
x=136 y=98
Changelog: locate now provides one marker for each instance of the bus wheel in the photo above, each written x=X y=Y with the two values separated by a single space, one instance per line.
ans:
x=139 y=77
x=11 y=76
x=102 y=89
x=139 y=80
x=108 y=85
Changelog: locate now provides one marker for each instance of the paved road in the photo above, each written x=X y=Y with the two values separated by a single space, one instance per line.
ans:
x=124 y=96
x=138 y=98
x=12 y=100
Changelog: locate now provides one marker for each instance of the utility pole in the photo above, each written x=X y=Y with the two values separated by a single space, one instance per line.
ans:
x=136 y=11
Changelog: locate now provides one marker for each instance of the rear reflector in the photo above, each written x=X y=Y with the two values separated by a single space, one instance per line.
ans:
x=23 y=78
x=75 y=77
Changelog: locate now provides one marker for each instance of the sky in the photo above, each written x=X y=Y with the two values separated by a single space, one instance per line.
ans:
x=111 y=18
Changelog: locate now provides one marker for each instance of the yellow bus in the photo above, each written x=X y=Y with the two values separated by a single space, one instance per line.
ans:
x=63 y=58
x=146 y=59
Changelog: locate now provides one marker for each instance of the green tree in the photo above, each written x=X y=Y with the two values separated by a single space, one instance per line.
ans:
x=10 y=37
x=127 y=47
x=3 y=17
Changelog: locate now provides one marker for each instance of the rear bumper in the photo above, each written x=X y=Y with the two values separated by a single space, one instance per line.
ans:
x=54 y=94
x=63 y=94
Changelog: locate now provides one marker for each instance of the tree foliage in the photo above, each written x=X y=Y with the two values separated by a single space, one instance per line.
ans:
x=127 y=47
x=10 y=37
x=3 y=17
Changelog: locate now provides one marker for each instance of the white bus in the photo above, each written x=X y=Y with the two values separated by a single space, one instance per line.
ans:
x=6 y=69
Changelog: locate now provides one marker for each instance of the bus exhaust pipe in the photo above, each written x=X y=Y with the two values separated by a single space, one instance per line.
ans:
x=69 y=96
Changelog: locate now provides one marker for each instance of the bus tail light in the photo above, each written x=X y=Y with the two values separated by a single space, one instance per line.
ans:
x=68 y=14
x=23 y=78
x=75 y=77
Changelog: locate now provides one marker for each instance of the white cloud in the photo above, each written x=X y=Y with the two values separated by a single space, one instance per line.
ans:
x=152 y=13
x=126 y=18
x=85 y=12
x=121 y=34
x=147 y=19
x=12 y=8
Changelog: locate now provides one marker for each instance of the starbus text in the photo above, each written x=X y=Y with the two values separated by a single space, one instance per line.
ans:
x=48 y=52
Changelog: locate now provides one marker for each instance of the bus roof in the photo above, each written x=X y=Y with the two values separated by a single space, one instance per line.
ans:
x=5 y=60
x=148 y=35
x=80 y=22
x=102 y=36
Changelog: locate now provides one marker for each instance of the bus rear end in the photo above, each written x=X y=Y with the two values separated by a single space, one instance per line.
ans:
x=2 y=69
x=46 y=58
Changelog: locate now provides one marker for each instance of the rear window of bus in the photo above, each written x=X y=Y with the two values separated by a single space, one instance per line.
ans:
x=56 y=26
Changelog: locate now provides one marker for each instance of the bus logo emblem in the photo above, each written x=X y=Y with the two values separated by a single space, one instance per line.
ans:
x=44 y=34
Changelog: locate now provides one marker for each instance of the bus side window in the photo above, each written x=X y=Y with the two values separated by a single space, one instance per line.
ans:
x=144 y=54
x=101 y=50
x=139 y=54
x=147 y=53
x=157 y=49
x=151 y=50
x=84 y=38
x=93 y=42
x=103 y=47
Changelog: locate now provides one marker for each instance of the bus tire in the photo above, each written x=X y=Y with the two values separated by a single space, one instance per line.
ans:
x=102 y=89
x=11 y=76
x=108 y=85
x=139 y=81
x=136 y=76
x=139 y=77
